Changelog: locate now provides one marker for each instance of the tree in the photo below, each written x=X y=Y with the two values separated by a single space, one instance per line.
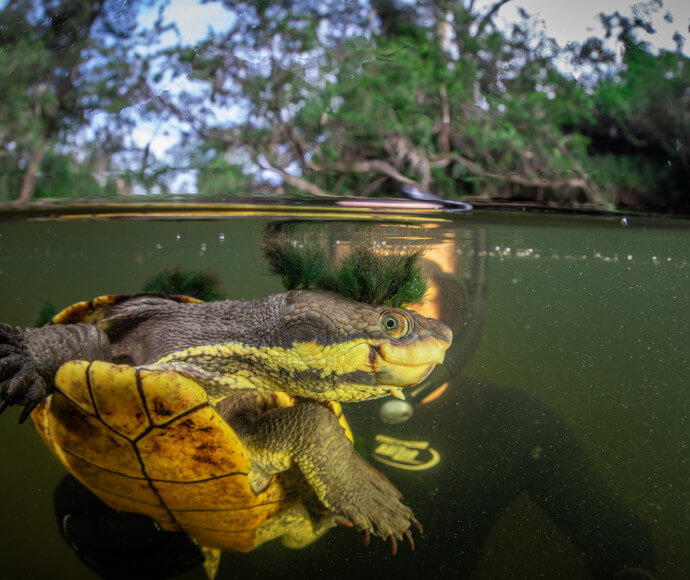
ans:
x=434 y=96
x=326 y=97
x=61 y=61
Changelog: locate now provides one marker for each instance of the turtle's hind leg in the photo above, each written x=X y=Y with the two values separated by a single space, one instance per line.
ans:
x=295 y=527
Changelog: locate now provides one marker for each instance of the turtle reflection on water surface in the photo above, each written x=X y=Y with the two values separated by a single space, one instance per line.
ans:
x=233 y=397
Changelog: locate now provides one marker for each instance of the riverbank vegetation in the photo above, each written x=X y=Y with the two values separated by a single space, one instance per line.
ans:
x=337 y=98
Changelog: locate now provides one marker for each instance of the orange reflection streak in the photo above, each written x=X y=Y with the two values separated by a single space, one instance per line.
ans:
x=433 y=395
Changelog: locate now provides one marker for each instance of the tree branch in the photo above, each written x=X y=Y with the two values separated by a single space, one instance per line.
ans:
x=370 y=165
x=293 y=180
x=489 y=15
x=512 y=178
x=444 y=141
x=28 y=186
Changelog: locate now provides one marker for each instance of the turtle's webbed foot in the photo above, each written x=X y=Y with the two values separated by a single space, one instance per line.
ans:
x=20 y=381
x=372 y=504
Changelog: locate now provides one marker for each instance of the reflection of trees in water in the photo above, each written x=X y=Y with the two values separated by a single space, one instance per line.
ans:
x=332 y=97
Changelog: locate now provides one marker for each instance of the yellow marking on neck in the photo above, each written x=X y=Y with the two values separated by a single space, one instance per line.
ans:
x=333 y=359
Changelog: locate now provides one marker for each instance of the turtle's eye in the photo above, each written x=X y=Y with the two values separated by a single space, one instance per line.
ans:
x=395 y=323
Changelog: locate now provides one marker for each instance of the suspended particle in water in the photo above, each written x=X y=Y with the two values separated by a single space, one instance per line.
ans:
x=624 y=221
x=159 y=247
x=221 y=238
x=178 y=237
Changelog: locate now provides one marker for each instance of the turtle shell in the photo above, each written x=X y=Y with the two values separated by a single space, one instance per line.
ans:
x=150 y=442
x=94 y=310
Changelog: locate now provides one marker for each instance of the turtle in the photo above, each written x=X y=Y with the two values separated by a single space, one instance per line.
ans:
x=223 y=418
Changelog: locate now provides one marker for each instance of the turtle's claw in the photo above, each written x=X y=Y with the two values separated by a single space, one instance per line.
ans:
x=366 y=537
x=27 y=411
x=3 y=405
x=9 y=364
x=417 y=524
x=393 y=543
x=408 y=538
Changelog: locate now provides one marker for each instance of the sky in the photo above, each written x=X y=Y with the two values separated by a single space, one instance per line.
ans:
x=576 y=20
x=565 y=20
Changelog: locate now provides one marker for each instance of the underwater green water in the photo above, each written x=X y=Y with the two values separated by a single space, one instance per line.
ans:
x=562 y=441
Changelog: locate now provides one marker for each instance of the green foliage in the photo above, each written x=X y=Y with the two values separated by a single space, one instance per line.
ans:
x=394 y=279
x=45 y=314
x=297 y=267
x=388 y=103
x=338 y=97
x=63 y=178
x=220 y=178
x=204 y=286
x=643 y=119
x=366 y=274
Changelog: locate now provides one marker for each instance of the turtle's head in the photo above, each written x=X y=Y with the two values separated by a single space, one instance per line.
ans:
x=339 y=349
x=313 y=344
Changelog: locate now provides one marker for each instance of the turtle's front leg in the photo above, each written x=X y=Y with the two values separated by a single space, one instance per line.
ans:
x=309 y=436
x=29 y=359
